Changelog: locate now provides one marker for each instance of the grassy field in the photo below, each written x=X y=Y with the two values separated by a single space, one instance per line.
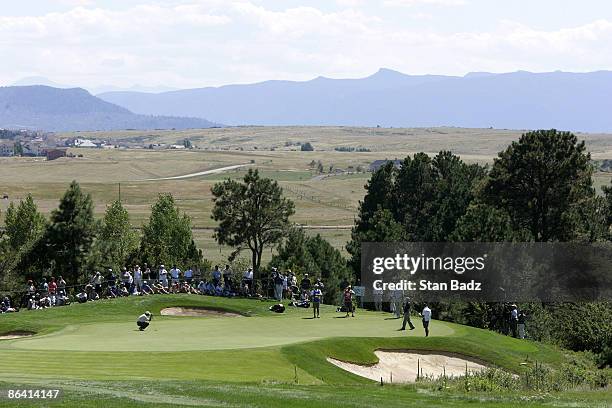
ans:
x=327 y=205
x=92 y=351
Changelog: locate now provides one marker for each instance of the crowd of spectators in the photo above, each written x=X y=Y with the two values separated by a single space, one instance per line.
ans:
x=143 y=281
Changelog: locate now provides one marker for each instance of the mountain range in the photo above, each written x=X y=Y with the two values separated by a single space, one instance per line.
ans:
x=517 y=100
x=54 y=109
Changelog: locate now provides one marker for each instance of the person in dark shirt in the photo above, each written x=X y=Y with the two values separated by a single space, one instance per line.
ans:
x=407 y=307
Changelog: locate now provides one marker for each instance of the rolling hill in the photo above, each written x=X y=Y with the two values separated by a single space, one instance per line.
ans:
x=54 y=109
x=518 y=100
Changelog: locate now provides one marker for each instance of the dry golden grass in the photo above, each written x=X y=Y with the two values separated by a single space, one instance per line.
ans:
x=330 y=201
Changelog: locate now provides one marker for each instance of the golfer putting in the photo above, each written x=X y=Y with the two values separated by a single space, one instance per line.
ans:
x=144 y=320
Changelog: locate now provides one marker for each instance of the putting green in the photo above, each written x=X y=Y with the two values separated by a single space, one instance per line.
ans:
x=168 y=333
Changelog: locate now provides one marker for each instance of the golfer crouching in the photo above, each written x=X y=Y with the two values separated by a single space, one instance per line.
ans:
x=143 y=320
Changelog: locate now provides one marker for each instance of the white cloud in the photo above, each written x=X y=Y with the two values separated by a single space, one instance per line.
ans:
x=412 y=3
x=209 y=42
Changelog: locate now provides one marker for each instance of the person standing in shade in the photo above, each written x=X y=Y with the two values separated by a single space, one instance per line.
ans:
x=407 y=307
x=514 y=321
x=521 y=325
x=316 y=296
x=278 y=284
x=426 y=315
x=227 y=277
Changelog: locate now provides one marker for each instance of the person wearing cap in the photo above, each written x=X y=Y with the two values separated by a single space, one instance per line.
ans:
x=144 y=320
x=163 y=276
x=216 y=276
x=97 y=283
x=138 y=277
x=407 y=307
x=348 y=301
x=316 y=296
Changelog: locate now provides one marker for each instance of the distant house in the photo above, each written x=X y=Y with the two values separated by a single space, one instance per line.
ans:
x=34 y=148
x=7 y=149
x=84 y=143
x=53 y=154
x=377 y=164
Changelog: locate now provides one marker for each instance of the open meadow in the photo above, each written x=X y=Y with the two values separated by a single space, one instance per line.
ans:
x=325 y=203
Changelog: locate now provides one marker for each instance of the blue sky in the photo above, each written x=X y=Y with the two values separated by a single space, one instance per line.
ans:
x=190 y=43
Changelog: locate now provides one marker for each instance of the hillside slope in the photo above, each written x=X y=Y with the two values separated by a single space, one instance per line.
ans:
x=518 y=100
x=54 y=109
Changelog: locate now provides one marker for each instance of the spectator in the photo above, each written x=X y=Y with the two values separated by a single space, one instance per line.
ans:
x=189 y=275
x=514 y=321
x=378 y=296
x=96 y=281
x=306 y=283
x=81 y=297
x=175 y=273
x=138 y=277
x=146 y=289
x=61 y=286
x=216 y=276
x=342 y=286
x=286 y=285
x=247 y=280
x=52 y=291
x=146 y=274
x=43 y=288
x=227 y=277
x=521 y=324
x=277 y=278
x=163 y=276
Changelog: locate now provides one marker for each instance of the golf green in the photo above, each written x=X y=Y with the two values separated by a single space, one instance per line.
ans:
x=175 y=333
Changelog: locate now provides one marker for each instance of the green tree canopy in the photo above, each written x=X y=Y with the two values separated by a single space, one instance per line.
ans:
x=252 y=214
x=69 y=237
x=24 y=224
x=315 y=256
x=167 y=237
x=116 y=240
x=539 y=181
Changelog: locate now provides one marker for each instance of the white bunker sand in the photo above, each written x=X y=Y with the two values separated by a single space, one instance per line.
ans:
x=15 y=335
x=402 y=366
x=196 y=311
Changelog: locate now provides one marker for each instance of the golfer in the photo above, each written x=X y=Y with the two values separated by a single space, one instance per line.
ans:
x=348 y=301
x=426 y=314
x=144 y=320
x=316 y=296
x=407 y=307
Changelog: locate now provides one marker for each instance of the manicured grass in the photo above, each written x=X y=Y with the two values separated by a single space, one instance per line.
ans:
x=260 y=360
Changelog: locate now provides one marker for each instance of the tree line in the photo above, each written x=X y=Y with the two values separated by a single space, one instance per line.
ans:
x=539 y=189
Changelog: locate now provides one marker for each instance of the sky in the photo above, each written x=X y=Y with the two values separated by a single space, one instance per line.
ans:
x=196 y=43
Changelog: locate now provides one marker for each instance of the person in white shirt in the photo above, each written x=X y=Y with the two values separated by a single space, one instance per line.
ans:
x=426 y=314
x=143 y=320
x=138 y=277
x=175 y=273
x=247 y=280
x=163 y=276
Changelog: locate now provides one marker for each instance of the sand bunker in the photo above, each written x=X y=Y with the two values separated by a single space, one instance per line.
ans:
x=16 y=334
x=401 y=367
x=196 y=311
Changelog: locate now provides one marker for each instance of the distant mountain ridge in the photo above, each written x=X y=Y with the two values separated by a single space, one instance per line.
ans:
x=55 y=109
x=517 y=100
